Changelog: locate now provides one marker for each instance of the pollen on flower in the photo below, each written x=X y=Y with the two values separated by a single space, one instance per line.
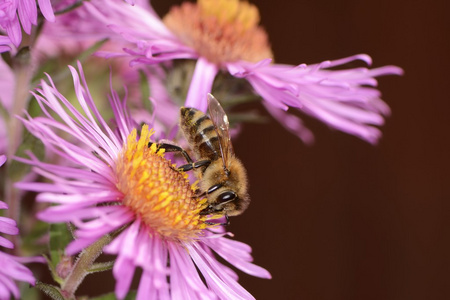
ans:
x=220 y=30
x=159 y=195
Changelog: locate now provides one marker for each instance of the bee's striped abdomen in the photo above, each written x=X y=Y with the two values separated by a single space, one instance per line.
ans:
x=200 y=133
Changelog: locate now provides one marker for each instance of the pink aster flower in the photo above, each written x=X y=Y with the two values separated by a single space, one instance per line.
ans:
x=11 y=266
x=225 y=35
x=112 y=180
x=16 y=12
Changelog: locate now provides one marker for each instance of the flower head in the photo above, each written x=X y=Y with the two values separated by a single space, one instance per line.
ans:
x=225 y=35
x=114 y=183
x=220 y=31
x=16 y=12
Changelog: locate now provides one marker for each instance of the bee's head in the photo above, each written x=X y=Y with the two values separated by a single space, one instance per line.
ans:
x=225 y=202
x=226 y=191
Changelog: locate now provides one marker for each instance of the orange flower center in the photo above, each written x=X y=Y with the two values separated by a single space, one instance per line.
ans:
x=160 y=196
x=220 y=30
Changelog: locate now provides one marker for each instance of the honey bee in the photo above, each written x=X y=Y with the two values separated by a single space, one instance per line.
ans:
x=222 y=176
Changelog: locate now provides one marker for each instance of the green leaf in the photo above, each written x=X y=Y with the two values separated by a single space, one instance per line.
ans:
x=34 y=109
x=89 y=51
x=50 y=290
x=31 y=243
x=60 y=237
x=28 y=292
x=60 y=74
x=101 y=267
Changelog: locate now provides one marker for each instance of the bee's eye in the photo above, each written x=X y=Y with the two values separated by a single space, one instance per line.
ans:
x=226 y=196
x=213 y=188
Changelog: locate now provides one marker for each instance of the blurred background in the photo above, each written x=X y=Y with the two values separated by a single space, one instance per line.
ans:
x=342 y=219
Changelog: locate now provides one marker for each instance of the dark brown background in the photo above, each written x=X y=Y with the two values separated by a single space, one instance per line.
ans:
x=343 y=219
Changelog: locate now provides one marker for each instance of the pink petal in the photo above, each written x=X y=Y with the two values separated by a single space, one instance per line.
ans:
x=46 y=9
x=201 y=84
x=28 y=14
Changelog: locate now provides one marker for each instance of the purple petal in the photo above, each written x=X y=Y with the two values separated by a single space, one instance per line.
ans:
x=223 y=285
x=4 y=48
x=46 y=9
x=8 y=226
x=3 y=205
x=339 y=98
x=123 y=272
x=292 y=123
x=201 y=84
x=14 y=32
x=107 y=221
x=240 y=258
x=27 y=11
x=7 y=80
x=185 y=277
x=6 y=243
x=11 y=270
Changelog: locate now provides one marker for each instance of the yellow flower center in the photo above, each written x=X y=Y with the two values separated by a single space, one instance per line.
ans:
x=160 y=196
x=220 y=30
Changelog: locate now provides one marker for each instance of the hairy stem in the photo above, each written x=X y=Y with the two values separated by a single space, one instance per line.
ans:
x=82 y=266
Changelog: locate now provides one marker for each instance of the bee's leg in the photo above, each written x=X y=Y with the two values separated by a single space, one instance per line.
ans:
x=173 y=148
x=199 y=195
x=209 y=191
x=223 y=224
x=227 y=221
x=197 y=164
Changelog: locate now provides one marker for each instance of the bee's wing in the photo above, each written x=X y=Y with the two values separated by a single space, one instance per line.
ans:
x=220 y=121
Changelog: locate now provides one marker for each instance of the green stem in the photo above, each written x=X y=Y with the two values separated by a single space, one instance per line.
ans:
x=82 y=266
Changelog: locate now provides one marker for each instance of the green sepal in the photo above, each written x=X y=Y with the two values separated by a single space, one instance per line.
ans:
x=60 y=237
x=50 y=290
x=101 y=267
